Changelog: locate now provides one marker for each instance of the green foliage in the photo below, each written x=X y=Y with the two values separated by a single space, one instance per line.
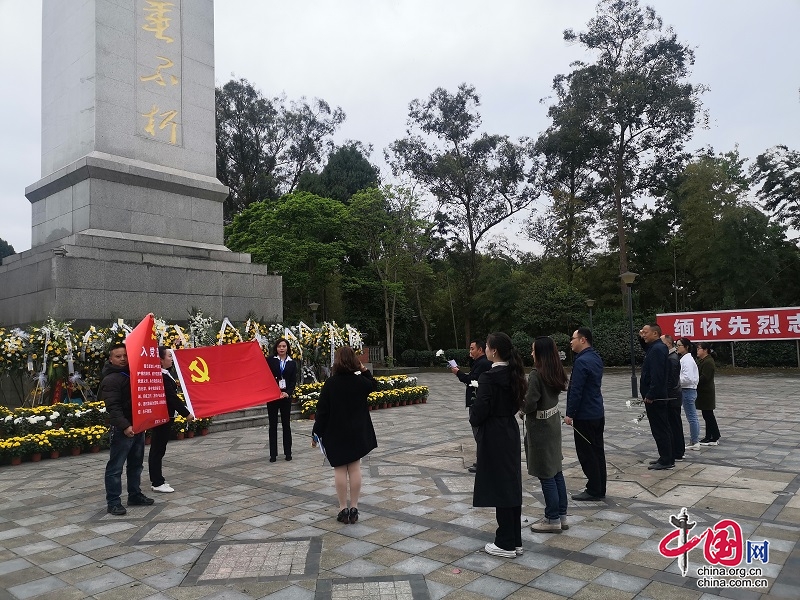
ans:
x=757 y=354
x=778 y=172
x=6 y=249
x=264 y=144
x=548 y=306
x=612 y=336
x=301 y=236
x=347 y=171
x=523 y=342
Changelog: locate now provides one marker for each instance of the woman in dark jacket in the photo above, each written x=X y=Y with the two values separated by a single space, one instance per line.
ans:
x=284 y=369
x=706 y=393
x=543 y=435
x=160 y=434
x=345 y=427
x=498 y=482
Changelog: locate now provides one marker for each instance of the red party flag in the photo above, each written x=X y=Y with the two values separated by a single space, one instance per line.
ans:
x=148 y=402
x=222 y=379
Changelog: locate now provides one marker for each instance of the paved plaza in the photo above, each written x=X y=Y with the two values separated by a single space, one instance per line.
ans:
x=239 y=527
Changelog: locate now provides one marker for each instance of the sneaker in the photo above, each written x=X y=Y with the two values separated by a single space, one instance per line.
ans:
x=140 y=500
x=710 y=443
x=564 y=524
x=497 y=551
x=547 y=526
x=164 y=488
x=679 y=458
x=117 y=510
x=519 y=550
x=695 y=446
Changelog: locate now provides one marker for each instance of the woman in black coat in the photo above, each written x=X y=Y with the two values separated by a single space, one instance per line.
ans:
x=345 y=427
x=284 y=369
x=498 y=482
x=160 y=434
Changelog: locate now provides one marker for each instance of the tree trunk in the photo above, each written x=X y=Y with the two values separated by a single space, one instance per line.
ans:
x=424 y=322
x=389 y=340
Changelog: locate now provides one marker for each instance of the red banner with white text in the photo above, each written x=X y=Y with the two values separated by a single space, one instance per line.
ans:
x=222 y=379
x=750 y=324
x=148 y=402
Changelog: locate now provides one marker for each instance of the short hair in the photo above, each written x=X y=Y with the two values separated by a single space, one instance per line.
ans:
x=479 y=344
x=585 y=332
x=655 y=327
x=668 y=339
x=162 y=351
x=116 y=345
x=706 y=346
x=345 y=361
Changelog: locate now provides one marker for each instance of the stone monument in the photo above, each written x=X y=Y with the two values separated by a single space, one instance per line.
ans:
x=127 y=217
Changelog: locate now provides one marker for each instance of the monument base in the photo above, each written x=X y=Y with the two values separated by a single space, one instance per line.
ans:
x=99 y=276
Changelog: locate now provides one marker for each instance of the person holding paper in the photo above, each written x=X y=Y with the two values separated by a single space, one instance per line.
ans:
x=345 y=427
x=160 y=434
x=126 y=446
x=480 y=364
x=284 y=370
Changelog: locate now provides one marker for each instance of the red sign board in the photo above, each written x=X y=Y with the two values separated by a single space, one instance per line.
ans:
x=756 y=324
x=148 y=402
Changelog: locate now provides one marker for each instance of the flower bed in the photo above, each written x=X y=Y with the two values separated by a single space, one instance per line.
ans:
x=393 y=390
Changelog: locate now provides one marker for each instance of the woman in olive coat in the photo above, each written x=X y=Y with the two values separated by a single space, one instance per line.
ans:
x=706 y=394
x=498 y=482
x=543 y=433
x=345 y=427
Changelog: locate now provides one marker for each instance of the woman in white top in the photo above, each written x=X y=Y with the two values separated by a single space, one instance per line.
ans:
x=688 y=379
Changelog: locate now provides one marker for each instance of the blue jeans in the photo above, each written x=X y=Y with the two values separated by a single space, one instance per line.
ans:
x=555 y=496
x=689 y=397
x=124 y=448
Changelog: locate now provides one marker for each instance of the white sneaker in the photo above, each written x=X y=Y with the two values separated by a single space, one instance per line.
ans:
x=695 y=446
x=497 y=551
x=710 y=443
x=519 y=550
x=164 y=488
x=564 y=524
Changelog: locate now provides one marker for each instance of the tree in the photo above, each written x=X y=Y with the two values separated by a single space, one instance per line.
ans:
x=637 y=95
x=478 y=180
x=385 y=224
x=347 y=171
x=6 y=249
x=300 y=236
x=778 y=172
x=264 y=144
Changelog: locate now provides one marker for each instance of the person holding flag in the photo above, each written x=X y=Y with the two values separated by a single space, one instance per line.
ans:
x=284 y=369
x=161 y=433
x=125 y=444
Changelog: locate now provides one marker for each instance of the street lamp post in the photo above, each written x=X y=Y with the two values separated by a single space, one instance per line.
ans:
x=590 y=304
x=628 y=279
x=313 y=306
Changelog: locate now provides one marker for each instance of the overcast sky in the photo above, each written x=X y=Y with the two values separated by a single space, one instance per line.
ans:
x=372 y=57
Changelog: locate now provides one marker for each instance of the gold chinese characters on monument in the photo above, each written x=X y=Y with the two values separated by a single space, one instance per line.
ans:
x=158 y=64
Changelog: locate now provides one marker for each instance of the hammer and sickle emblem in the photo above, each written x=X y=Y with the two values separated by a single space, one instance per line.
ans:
x=202 y=371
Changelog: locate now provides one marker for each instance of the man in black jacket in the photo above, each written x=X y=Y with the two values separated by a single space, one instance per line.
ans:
x=480 y=364
x=115 y=391
x=653 y=386
x=675 y=399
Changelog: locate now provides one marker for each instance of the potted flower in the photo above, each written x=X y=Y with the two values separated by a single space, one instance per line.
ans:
x=59 y=442
x=202 y=425
x=40 y=444
x=179 y=427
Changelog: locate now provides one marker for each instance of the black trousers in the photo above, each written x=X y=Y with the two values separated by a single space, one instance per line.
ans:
x=509 y=528
x=591 y=453
x=159 y=436
x=284 y=405
x=658 y=415
x=712 y=430
x=676 y=428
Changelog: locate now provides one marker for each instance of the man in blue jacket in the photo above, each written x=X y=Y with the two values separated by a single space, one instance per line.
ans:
x=586 y=415
x=653 y=386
